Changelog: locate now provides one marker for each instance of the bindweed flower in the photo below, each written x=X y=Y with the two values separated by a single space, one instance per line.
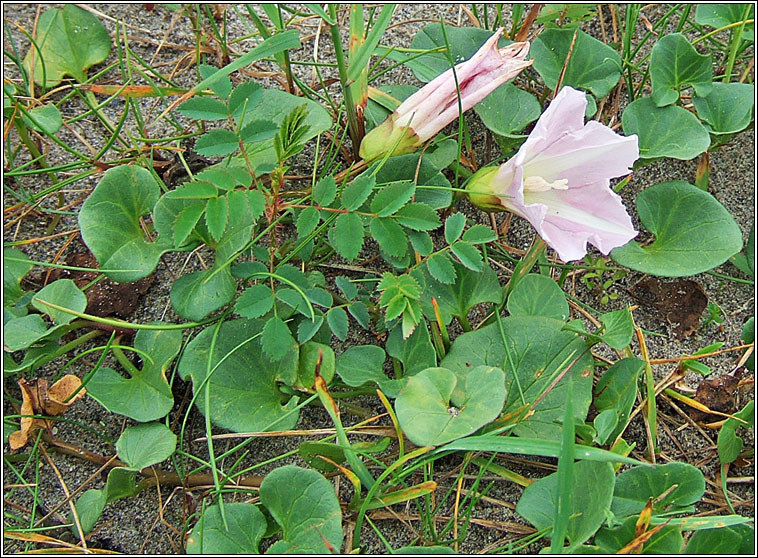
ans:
x=560 y=180
x=431 y=108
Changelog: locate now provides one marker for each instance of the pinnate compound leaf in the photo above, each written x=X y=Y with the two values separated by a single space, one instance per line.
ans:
x=693 y=232
x=418 y=217
x=109 y=221
x=389 y=235
x=203 y=108
x=337 y=320
x=538 y=295
x=244 y=389
x=357 y=192
x=225 y=178
x=592 y=490
x=454 y=227
x=669 y=131
x=304 y=504
x=347 y=235
x=431 y=411
x=441 y=268
x=255 y=301
x=221 y=86
x=146 y=444
x=217 y=143
x=70 y=41
x=479 y=234
x=307 y=221
x=674 y=62
x=216 y=216
x=325 y=191
x=468 y=255
x=258 y=130
x=392 y=197
x=277 y=339
x=146 y=395
x=241 y=534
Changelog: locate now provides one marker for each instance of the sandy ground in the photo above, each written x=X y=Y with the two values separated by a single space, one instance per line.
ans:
x=149 y=522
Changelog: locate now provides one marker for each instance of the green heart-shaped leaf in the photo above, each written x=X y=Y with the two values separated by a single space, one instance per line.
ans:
x=693 y=232
x=431 y=411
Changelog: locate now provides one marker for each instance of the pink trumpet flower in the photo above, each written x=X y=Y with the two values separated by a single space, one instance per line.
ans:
x=431 y=108
x=560 y=180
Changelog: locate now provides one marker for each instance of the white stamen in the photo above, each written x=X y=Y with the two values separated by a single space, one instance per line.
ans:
x=539 y=184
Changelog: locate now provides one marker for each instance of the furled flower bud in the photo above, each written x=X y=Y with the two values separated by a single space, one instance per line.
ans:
x=431 y=108
x=560 y=180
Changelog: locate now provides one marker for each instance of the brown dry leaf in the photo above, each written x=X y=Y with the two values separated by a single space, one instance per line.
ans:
x=680 y=303
x=106 y=297
x=39 y=399
x=721 y=393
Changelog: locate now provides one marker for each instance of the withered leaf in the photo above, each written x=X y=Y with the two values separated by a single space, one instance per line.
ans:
x=38 y=398
x=680 y=302
x=106 y=297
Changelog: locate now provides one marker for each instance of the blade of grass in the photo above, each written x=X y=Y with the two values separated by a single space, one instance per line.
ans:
x=565 y=477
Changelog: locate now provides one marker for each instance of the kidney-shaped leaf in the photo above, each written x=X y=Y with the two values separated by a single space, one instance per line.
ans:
x=109 y=221
x=70 y=41
x=593 y=66
x=674 y=62
x=728 y=108
x=538 y=295
x=635 y=486
x=592 y=489
x=62 y=292
x=304 y=504
x=537 y=352
x=143 y=445
x=508 y=109
x=693 y=232
x=146 y=395
x=243 y=388
x=665 y=131
x=431 y=411
x=243 y=531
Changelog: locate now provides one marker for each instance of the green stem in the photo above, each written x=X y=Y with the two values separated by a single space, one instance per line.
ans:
x=352 y=116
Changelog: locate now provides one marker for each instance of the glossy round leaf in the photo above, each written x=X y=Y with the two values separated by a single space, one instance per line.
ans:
x=304 y=504
x=244 y=393
x=508 y=110
x=146 y=444
x=675 y=62
x=538 y=350
x=431 y=411
x=693 y=232
x=665 y=131
x=593 y=66
x=728 y=108
x=538 y=295
x=109 y=221
x=243 y=531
